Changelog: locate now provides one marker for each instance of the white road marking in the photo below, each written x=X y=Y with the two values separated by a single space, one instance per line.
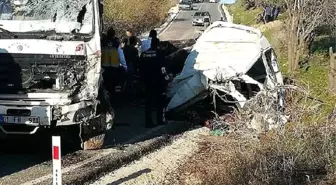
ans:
x=169 y=25
x=200 y=7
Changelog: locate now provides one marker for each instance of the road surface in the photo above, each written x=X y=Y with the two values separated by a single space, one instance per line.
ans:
x=182 y=29
x=26 y=161
x=154 y=168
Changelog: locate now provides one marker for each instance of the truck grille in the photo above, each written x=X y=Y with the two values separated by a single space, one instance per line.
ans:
x=19 y=72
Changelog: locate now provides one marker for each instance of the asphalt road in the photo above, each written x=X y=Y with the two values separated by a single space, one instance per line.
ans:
x=27 y=160
x=182 y=29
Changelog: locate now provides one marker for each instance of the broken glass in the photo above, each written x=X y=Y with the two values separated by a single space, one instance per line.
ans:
x=44 y=15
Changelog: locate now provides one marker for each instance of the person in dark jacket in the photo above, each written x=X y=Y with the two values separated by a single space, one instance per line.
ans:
x=130 y=34
x=152 y=62
x=267 y=13
x=276 y=11
x=132 y=62
x=153 y=34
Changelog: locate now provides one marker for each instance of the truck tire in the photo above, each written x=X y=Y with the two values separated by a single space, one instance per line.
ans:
x=92 y=132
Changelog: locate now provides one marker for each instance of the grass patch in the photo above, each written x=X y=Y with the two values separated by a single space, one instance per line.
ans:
x=241 y=16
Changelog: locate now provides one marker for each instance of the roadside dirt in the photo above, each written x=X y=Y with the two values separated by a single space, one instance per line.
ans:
x=155 y=167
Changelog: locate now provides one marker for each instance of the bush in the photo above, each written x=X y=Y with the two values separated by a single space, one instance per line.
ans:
x=139 y=15
x=300 y=152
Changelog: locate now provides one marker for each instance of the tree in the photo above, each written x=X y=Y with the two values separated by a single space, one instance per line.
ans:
x=305 y=16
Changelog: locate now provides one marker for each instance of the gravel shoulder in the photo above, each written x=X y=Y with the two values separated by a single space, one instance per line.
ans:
x=155 y=167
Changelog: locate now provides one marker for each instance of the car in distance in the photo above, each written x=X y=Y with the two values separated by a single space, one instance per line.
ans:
x=186 y=5
x=200 y=18
x=212 y=1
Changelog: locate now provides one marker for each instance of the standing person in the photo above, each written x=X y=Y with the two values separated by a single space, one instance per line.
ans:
x=130 y=34
x=276 y=11
x=154 y=76
x=267 y=13
x=153 y=34
x=260 y=19
x=113 y=62
x=132 y=59
x=145 y=44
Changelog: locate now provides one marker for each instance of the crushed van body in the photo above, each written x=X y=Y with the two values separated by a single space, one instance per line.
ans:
x=231 y=59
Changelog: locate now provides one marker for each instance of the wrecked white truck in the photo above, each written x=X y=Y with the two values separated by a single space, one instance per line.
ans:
x=228 y=61
x=50 y=73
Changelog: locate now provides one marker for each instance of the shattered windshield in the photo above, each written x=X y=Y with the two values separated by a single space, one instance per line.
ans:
x=61 y=16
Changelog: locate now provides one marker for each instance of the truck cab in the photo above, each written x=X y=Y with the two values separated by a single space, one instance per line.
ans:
x=50 y=73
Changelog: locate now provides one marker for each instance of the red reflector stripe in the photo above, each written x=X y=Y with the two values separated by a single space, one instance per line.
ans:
x=56 y=152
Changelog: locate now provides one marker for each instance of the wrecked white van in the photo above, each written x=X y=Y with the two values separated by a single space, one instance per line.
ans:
x=50 y=73
x=224 y=57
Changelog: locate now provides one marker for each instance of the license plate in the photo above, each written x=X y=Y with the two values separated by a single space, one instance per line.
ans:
x=19 y=119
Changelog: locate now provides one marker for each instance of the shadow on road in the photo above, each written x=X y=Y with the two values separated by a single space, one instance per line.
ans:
x=180 y=19
x=130 y=177
x=20 y=153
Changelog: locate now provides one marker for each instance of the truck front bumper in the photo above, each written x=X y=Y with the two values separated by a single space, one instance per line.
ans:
x=33 y=113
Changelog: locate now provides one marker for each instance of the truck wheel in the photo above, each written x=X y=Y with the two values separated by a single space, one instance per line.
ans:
x=92 y=132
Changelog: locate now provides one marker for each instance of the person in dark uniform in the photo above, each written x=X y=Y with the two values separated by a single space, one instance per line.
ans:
x=132 y=61
x=152 y=68
x=267 y=13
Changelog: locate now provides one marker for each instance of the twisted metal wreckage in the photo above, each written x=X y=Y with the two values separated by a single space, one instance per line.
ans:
x=228 y=60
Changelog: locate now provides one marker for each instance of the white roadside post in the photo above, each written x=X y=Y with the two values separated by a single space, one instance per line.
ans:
x=56 y=154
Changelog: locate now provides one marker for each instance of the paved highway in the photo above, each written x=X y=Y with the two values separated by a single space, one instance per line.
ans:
x=182 y=29
x=30 y=161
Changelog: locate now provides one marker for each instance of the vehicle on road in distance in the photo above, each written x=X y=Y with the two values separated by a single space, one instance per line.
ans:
x=50 y=73
x=212 y=1
x=186 y=5
x=199 y=18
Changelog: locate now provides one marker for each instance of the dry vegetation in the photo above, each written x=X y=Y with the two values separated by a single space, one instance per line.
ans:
x=139 y=15
x=300 y=152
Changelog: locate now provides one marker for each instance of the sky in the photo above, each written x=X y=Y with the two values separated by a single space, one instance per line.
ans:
x=227 y=1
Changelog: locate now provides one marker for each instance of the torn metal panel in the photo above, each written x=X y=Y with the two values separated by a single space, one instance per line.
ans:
x=230 y=88
x=223 y=55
